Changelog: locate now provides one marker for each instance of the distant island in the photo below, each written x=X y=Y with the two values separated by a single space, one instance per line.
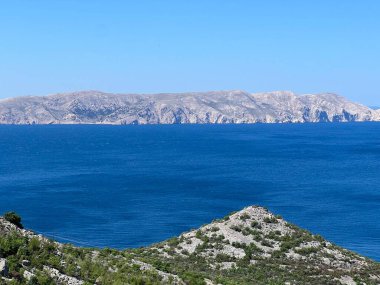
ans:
x=252 y=246
x=217 y=107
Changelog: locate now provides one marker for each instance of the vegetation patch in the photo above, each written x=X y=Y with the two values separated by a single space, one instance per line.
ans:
x=13 y=218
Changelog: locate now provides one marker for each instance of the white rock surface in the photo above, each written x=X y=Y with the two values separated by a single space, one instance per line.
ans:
x=347 y=280
x=3 y=267
x=93 y=107
x=28 y=275
x=62 y=278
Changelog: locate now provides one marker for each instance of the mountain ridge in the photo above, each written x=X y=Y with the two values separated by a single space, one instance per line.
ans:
x=213 y=107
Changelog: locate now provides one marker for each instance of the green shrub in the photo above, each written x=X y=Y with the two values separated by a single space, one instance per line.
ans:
x=214 y=229
x=271 y=220
x=222 y=257
x=276 y=235
x=13 y=218
x=34 y=244
x=193 y=278
x=255 y=225
x=43 y=279
x=237 y=228
x=174 y=241
x=245 y=216
x=267 y=243
x=278 y=254
x=10 y=244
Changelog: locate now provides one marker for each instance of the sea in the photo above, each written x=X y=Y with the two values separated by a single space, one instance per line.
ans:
x=131 y=186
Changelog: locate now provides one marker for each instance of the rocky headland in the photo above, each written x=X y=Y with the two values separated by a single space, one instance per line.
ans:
x=217 y=107
x=252 y=246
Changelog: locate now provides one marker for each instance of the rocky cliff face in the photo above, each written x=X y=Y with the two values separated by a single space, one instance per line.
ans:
x=92 y=107
x=252 y=246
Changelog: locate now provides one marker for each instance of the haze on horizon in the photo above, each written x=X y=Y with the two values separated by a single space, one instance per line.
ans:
x=179 y=46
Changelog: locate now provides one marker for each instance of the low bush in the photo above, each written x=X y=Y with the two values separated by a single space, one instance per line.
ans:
x=270 y=220
x=13 y=218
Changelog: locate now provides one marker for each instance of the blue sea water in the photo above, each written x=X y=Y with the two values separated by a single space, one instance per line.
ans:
x=130 y=186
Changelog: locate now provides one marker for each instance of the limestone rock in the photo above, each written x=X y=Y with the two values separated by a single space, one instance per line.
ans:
x=3 y=267
x=217 y=107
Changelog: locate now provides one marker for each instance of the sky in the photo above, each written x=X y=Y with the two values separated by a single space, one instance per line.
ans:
x=200 y=45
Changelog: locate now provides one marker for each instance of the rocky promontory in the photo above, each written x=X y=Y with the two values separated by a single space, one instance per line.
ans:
x=252 y=246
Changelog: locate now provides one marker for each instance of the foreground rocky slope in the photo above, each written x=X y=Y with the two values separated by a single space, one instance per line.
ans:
x=252 y=246
x=94 y=107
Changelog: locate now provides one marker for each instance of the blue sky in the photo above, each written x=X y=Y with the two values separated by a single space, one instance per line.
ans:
x=173 y=46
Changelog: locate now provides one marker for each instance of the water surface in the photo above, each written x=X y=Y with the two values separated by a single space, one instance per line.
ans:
x=130 y=186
